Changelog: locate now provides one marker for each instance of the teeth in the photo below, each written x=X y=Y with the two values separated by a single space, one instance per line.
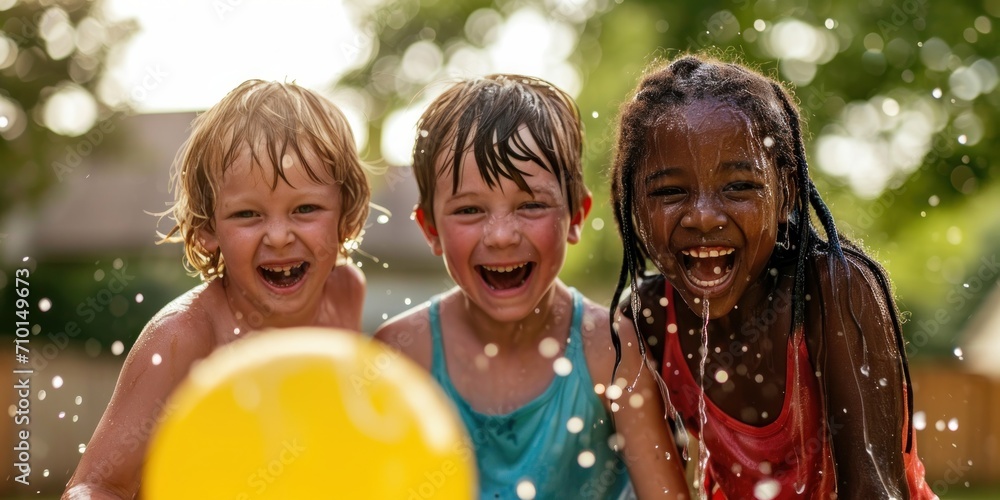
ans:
x=704 y=254
x=503 y=269
x=287 y=270
x=707 y=284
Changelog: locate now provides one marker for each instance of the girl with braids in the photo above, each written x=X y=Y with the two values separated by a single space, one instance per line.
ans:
x=780 y=349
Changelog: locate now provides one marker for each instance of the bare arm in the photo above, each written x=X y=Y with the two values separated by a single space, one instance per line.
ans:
x=112 y=465
x=862 y=372
x=655 y=467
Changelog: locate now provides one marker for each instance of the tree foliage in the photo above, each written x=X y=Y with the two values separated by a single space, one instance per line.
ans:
x=52 y=55
x=899 y=98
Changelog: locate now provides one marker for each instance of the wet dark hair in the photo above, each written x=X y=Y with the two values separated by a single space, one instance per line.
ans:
x=485 y=114
x=770 y=108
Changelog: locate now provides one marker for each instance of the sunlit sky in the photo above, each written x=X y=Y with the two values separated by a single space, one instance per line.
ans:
x=189 y=53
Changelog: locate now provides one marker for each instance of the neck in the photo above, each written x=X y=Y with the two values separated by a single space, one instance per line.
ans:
x=250 y=316
x=555 y=307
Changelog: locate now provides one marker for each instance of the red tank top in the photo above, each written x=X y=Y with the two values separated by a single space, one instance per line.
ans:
x=790 y=457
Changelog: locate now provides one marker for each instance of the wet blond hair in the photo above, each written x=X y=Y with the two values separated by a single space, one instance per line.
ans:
x=271 y=119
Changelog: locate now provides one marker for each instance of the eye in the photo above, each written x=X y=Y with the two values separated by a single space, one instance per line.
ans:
x=742 y=186
x=466 y=211
x=533 y=205
x=666 y=192
x=306 y=209
x=243 y=214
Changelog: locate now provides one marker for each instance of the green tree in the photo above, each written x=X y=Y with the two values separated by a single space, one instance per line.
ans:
x=52 y=57
x=899 y=99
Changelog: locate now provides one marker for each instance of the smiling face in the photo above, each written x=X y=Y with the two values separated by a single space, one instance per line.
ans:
x=279 y=244
x=709 y=204
x=502 y=245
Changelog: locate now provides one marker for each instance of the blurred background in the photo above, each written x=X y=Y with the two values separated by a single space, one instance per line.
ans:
x=899 y=99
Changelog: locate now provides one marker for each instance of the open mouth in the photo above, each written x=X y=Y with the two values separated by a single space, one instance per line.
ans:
x=707 y=267
x=506 y=277
x=283 y=276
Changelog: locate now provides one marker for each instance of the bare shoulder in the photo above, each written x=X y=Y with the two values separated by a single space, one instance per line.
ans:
x=410 y=333
x=345 y=288
x=186 y=326
x=595 y=329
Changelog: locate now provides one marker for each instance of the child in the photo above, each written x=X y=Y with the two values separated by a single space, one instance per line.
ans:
x=269 y=188
x=780 y=350
x=522 y=355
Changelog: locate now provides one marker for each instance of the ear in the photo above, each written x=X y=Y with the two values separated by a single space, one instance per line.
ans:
x=787 y=196
x=430 y=232
x=576 y=225
x=207 y=239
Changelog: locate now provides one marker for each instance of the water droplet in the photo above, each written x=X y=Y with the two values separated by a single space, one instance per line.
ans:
x=562 y=366
x=940 y=425
x=57 y=382
x=958 y=350
x=758 y=378
x=382 y=219
x=599 y=389
x=236 y=331
x=78 y=400
x=721 y=376
x=613 y=392
x=768 y=141
x=117 y=347
x=41 y=395
x=157 y=359
x=99 y=275
x=45 y=473
x=586 y=459
x=933 y=200
x=139 y=298
x=717 y=270
x=962 y=139
x=672 y=328
x=44 y=305
x=574 y=425
x=830 y=24
x=597 y=223
x=953 y=424
x=882 y=382
x=936 y=93
x=62 y=414
x=82 y=447
x=549 y=347
x=616 y=442
x=424 y=133
x=636 y=400
x=697 y=300
x=407 y=301
x=491 y=349
x=76 y=417
x=865 y=370
x=525 y=490
x=919 y=420
x=595 y=114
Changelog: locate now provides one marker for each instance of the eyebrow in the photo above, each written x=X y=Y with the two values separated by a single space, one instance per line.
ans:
x=735 y=165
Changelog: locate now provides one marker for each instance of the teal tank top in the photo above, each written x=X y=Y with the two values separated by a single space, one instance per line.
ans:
x=537 y=446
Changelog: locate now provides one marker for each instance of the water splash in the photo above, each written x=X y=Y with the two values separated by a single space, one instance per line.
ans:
x=703 y=453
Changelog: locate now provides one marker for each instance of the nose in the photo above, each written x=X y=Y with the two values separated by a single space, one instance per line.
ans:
x=278 y=233
x=705 y=215
x=502 y=231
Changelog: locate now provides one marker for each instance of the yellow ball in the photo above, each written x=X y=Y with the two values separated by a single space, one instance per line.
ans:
x=309 y=413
